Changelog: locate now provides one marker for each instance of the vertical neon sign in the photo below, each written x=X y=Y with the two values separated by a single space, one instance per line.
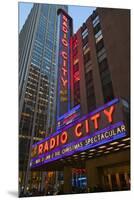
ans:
x=65 y=32
x=75 y=74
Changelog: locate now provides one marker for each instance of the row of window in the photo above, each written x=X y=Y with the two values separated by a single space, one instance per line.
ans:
x=91 y=103
x=102 y=61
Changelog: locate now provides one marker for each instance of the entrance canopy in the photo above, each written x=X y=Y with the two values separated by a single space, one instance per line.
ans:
x=99 y=132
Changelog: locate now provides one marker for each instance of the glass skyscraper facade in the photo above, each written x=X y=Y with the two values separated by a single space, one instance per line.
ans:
x=37 y=80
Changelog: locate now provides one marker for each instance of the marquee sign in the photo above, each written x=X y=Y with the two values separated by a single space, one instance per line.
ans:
x=64 y=63
x=101 y=126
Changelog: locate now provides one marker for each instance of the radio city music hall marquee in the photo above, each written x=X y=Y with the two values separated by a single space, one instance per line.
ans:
x=64 y=63
x=94 y=129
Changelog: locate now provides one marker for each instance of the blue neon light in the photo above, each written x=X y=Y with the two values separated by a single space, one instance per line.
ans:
x=68 y=68
x=70 y=112
x=79 y=150
x=58 y=99
x=84 y=138
x=114 y=137
x=79 y=120
x=69 y=99
x=82 y=178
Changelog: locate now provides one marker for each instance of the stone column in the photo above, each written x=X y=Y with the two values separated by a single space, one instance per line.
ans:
x=92 y=176
x=67 y=180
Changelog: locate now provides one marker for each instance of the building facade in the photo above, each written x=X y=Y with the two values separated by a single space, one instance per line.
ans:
x=100 y=53
x=91 y=147
x=100 y=73
x=37 y=81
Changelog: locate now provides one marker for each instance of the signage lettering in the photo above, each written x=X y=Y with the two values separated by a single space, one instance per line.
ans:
x=79 y=136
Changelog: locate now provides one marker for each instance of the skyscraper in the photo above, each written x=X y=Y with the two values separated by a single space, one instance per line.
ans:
x=37 y=80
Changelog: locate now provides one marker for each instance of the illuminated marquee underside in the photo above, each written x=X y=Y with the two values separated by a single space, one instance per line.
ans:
x=97 y=128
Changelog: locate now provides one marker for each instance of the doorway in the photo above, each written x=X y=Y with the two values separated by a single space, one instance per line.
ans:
x=116 y=178
x=79 y=180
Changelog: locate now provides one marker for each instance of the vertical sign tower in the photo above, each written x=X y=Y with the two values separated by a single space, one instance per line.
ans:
x=63 y=88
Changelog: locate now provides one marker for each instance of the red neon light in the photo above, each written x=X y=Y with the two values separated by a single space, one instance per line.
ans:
x=109 y=113
x=46 y=147
x=65 y=18
x=64 y=81
x=64 y=29
x=64 y=55
x=64 y=24
x=64 y=42
x=77 y=132
x=64 y=137
x=57 y=140
x=87 y=126
x=64 y=63
x=71 y=67
x=64 y=71
x=52 y=143
x=64 y=35
x=40 y=149
x=76 y=76
x=95 y=119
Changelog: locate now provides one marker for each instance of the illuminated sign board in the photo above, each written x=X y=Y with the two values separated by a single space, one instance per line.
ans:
x=63 y=92
x=99 y=127
x=75 y=72
x=68 y=117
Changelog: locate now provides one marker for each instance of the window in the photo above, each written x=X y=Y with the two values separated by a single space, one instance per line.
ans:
x=102 y=51
x=103 y=65
x=88 y=66
x=98 y=36
x=44 y=10
x=96 y=21
x=85 y=33
x=105 y=77
x=87 y=57
x=48 y=54
x=101 y=55
x=108 y=92
x=97 y=28
x=89 y=76
x=85 y=46
x=49 y=44
x=86 y=51
x=85 y=40
x=99 y=45
x=91 y=102
x=83 y=27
